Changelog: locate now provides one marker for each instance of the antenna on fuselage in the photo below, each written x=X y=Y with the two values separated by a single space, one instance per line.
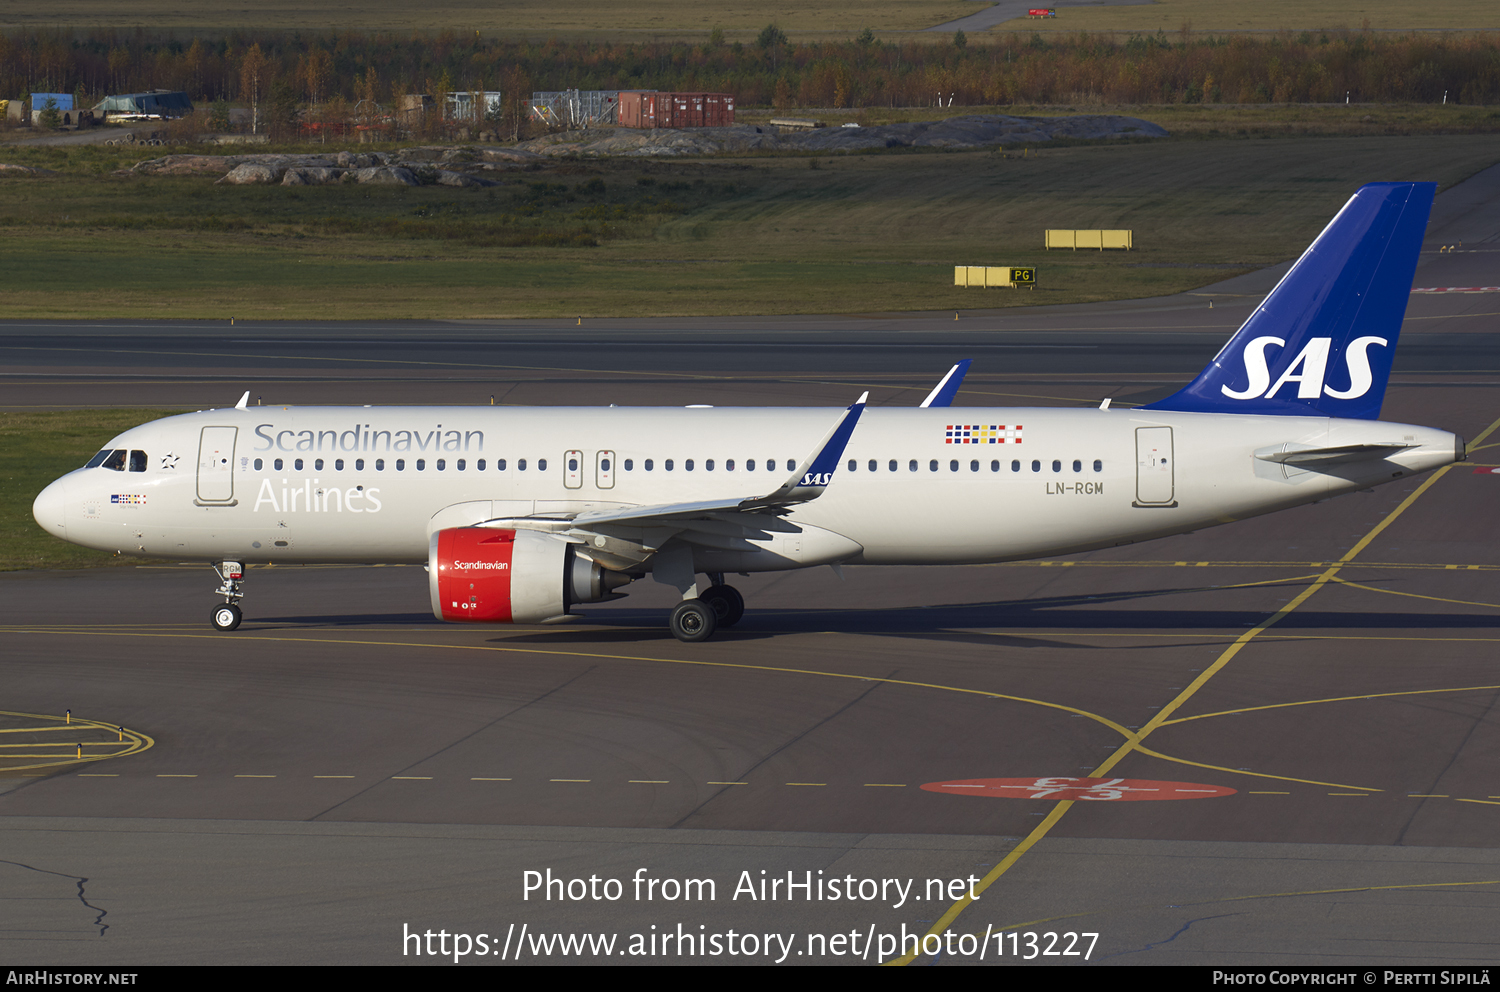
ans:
x=244 y=403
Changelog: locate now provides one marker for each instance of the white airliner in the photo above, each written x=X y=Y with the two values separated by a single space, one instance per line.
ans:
x=523 y=513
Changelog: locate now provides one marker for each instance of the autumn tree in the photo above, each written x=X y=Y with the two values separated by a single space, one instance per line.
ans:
x=255 y=77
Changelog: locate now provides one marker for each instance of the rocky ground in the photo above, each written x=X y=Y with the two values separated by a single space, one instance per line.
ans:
x=973 y=131
x=467 y=165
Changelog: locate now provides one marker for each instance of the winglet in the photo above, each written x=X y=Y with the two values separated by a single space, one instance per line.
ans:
x=816 y=470
x=943 y=393
x=244 y=403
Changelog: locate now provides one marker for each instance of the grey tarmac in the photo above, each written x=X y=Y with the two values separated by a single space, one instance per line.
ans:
x=343 y=766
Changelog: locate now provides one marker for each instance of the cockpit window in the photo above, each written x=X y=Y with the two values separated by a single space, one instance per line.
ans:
x=116 y=460
x=98 y=459
x=137 y=461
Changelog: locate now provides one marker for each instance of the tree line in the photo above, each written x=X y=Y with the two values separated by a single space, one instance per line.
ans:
x=313 y=68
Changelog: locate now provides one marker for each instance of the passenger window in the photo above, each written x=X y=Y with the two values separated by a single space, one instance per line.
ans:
x=1015 y=465
x=338 y=464
x=277 y=464
x=893 y=464
x=874 y=465
x=379 y=464
x=932 y=466
x=974 y=465
x=729 y=465
x=953 y=465
x=667 y=464
x=116 y=460
x=479 y=465
x=1098 y=465
x=400 y=464
x=137 y=461
x=499 y=464
x=297 y=465
x=421 y=464
x=459 y=465
x=520 y=464
x=1036 y=465
x=259 y=464
x=1056 y=465
x=1077 y=465
x=708 y=465
x=441 y=464
x=853 y=465
x=630 y=464
x=318 y=464
x=913 y=466
x=541 y=464
x=688 y=464
x=572 y=464
x=995 y=465
x=359 y=464
x=791 y=465
x=649 y=466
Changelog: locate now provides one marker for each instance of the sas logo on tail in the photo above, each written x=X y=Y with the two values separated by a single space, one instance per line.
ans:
x=816 y=479
x=1307 y=370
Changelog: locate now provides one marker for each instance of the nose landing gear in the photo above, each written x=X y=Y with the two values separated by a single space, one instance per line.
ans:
x=227 y=615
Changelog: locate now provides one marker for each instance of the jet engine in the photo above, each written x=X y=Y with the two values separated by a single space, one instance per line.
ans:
x=490 y=575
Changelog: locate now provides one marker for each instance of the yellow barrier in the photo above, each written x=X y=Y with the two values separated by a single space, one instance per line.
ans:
x=992 y=276
x=1098 y=239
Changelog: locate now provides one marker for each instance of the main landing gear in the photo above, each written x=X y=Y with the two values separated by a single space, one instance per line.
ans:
x=720 y=605
x=227 y=615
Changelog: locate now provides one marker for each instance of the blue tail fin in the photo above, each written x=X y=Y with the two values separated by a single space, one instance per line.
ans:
x=1322 y=343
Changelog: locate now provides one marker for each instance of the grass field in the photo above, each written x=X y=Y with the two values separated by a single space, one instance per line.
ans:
x=1214 y=16
x=588 y=18
x=785 y=234
x=36 y=448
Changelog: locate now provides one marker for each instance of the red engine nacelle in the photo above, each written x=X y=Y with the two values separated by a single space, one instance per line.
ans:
x=487 y=575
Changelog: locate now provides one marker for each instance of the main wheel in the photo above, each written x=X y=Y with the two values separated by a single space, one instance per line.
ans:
x=693 y=620
x=727 y=603
x=226 y=616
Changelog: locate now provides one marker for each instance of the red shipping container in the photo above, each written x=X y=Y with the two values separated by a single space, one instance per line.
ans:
x=648 y=110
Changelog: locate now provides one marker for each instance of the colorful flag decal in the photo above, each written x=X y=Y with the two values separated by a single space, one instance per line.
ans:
x=982 y=434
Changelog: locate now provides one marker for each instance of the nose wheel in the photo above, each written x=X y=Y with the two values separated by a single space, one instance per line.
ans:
x=227 y=615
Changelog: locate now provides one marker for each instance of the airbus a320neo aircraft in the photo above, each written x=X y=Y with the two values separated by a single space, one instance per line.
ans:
x=523 y=513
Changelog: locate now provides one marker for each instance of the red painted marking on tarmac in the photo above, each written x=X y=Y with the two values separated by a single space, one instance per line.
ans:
x=1487 y=471
x=1085 y=789
x=1458 y=289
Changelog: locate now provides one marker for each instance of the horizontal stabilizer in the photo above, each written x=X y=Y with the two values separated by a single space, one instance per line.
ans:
x=1286 y=454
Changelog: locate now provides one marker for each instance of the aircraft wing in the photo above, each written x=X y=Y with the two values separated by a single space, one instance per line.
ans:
x=808 y=482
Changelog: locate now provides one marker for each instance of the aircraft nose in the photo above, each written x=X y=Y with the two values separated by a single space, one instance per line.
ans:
x=50 y=509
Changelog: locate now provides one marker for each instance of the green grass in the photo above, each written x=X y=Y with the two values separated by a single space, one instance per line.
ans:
x=864 y=232
x=36 y=448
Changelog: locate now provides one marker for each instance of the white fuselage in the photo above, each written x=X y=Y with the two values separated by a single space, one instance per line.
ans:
x=362 y=484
